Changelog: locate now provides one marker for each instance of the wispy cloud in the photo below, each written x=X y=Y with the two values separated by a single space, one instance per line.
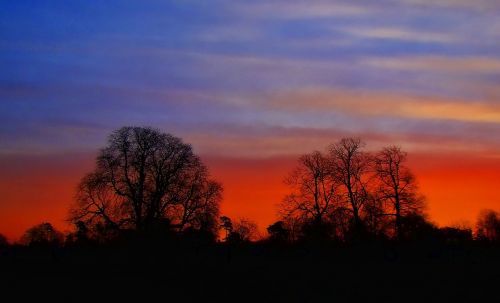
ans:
x=303 y=9
x=386 y=105
x=482 y=5
x=395 y=33
x=467 y=65
x=236 y=33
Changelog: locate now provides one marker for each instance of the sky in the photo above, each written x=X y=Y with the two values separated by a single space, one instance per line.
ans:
x=251 y=85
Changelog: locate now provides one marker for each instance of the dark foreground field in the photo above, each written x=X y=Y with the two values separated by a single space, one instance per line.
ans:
x=253 y=273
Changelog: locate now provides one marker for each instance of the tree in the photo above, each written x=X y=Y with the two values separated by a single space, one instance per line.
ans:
x=227 y=225
x=42 y=234
x=396 y=187
x=350 y=166
x=246 y=230
x=278 y=232
x=416 y=226
x=142 y=177
x=376 y=220
x=97 y=203
x=314 y=191
x=199 y=199
x=488 y=226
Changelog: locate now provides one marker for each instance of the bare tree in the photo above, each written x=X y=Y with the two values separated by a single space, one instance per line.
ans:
x=314 y=191
x=397 y=187
x=144 y=176
x=350 y=166
x=96 y=202
x=246 y=229
x=199 y=199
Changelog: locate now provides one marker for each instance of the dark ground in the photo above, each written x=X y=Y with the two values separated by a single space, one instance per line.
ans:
x=252 y=273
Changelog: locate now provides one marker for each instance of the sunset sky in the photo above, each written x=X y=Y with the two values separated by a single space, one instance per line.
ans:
x=251 y=85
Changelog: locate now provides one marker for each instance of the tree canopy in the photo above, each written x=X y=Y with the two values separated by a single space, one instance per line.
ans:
x=142 y=177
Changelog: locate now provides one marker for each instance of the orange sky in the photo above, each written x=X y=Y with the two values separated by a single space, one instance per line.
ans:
x=40 y=188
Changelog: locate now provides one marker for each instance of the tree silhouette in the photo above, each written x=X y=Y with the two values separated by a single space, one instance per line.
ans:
x=314 y=190
x=396 y=187
x=144 y=176
x=488 y=226
x=350 y=166
x=278 y=232
x=42 y=234
x=246 y=229
x=227 y=225
x=416 y=227
x=351 y=192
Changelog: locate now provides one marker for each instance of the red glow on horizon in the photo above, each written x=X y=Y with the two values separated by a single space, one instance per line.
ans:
x=41 y=189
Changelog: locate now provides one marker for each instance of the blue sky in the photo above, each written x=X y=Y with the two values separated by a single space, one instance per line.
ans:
x=257 y=73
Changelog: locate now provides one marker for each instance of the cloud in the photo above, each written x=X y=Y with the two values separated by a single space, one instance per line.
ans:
x=476 y=5
x=394 y=33
x=262 y=141
x=235 y=33
x=366 y=103
x=302 y=9
x=439 y=64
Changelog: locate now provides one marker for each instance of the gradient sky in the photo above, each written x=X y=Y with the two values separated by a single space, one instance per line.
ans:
x=251 y=85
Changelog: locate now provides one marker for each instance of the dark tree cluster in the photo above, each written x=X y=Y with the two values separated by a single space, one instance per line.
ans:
x=348 y=192
x=43 y=234
x=240 y=231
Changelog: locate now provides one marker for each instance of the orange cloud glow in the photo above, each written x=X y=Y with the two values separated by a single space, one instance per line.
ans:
x=386 y=105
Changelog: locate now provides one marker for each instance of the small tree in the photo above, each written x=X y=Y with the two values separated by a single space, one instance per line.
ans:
x=227 y=225
x=488 y=226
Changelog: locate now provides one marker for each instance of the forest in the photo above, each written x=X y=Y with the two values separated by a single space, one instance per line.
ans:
x=146 y=221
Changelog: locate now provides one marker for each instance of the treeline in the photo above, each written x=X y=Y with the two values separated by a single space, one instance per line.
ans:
x=150 y=185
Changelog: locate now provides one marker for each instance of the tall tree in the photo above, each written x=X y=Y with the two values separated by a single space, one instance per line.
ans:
x=140 y=176
x=350 y=166
x=397 y=187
